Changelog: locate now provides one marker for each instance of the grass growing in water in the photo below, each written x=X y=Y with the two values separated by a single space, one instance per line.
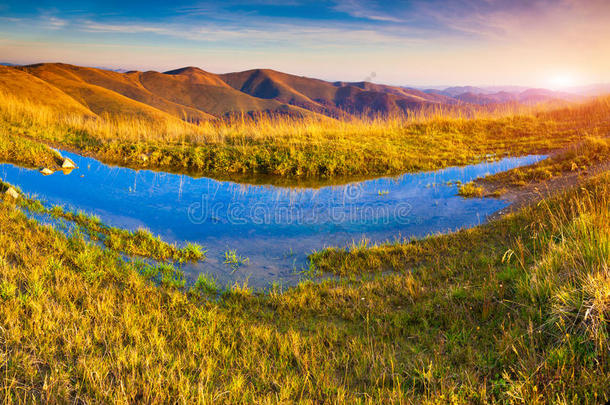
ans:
x=138 y=243
x=514 y=311
x=205 y=284
x=471 y=189
x=234 y=260
x=163 y=274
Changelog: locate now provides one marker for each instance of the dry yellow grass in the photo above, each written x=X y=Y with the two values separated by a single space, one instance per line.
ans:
x=310 y=146
x=514 y=311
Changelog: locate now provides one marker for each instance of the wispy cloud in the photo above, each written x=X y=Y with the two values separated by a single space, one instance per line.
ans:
x=54 y=23
x=430 y=38
x=487 y=19
x=378 y=23
x=366 y=10
x=510 y=19
x=276 y=33
x=124 y=28
x=10 y=19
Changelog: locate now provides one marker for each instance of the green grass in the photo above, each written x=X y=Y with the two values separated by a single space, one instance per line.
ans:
x=471 y=189
x=138 y=243
x=23 y=151
x=206 y=285
x=300 y=148
x=513 y=311
x=577 y=158
x=234 y=260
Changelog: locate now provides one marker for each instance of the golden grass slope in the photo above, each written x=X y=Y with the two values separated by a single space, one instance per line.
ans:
x=111 y=92
x=194 y=95
x=208 y=92
x=30 y=88
x=308 y=147
x=313 y=94
x=190 y=94
x=510 y=312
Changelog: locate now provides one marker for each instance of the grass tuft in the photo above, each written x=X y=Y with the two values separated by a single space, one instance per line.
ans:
x=471 y=189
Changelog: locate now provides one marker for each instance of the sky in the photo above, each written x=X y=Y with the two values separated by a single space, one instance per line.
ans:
x=541 y=43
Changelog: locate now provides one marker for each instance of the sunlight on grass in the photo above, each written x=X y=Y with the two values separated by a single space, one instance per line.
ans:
x=313 y=146
x=515 y=310
x=470 y=316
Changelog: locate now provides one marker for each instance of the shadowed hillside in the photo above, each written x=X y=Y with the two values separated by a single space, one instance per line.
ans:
x=409 y=94
x=312 y=94
x=335 y=99
x=208 y=92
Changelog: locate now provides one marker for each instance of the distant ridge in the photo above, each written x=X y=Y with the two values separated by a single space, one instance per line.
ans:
x=334 y=99
x=193 y=94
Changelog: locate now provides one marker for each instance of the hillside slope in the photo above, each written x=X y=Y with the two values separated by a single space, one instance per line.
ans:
x=409 y=94
x=208 y=92
x=312 y=94
x=97 y=90
x=194 y=95
x=335 y=99
x=190 y=93
x=22 y=85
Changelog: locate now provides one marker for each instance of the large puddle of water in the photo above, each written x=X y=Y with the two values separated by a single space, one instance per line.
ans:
x=276 y=228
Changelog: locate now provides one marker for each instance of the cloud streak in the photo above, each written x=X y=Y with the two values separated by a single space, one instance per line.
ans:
x=254 y=33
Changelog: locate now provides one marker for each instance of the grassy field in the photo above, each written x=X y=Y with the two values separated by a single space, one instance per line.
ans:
x=26 y=152
x=578 y=158
x=512 y=311
x=302 y=148
x=509 y=312
x=138 y=243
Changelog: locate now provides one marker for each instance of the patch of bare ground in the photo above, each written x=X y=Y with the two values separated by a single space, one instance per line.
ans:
x=520 y=196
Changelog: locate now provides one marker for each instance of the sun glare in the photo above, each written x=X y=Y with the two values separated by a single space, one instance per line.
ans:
x=562 y=81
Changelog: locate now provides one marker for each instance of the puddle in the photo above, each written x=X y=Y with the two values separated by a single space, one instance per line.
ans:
x=274 y=227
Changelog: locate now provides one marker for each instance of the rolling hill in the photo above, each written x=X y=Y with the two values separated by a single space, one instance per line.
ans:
x=106 y=92
x=15 y=82
x=312 y=94
x=504 y=94
x=190 y=93
x=528 y=97
x=194 y=95
x=334 y=99
x=208 y=92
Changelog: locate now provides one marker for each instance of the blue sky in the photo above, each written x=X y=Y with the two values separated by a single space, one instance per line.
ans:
x=414 y=42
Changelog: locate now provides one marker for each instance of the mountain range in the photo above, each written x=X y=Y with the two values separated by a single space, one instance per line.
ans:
x=509 y=94
x=194 y=95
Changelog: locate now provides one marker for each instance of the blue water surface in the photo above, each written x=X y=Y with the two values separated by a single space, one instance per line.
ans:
x=274 y=227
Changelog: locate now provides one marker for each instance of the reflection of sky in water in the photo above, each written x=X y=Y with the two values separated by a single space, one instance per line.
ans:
x=275 y=227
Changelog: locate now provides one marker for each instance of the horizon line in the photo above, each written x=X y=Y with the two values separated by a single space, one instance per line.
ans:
x=370 y=80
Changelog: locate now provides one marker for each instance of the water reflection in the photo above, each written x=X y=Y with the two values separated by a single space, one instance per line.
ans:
x=275 y=227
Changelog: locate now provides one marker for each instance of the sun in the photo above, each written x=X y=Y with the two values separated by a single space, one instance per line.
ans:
x=562 y=81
